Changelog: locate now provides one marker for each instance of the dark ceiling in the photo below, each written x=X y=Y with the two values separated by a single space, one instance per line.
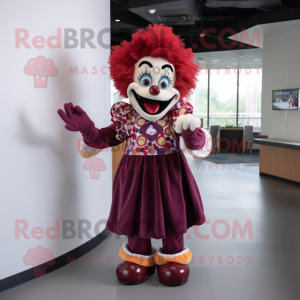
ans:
x=190 y=18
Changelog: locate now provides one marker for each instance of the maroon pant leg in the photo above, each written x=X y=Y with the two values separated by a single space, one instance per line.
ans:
x=139 y=246
x=172 y=244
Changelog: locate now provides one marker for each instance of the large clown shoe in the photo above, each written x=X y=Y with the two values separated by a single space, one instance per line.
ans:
x=173 y=269
x=136 y=268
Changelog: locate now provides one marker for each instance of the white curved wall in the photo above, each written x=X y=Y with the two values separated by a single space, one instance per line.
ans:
x=42 y=175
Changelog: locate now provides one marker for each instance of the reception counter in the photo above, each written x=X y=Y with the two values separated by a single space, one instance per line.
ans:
x=279 y=158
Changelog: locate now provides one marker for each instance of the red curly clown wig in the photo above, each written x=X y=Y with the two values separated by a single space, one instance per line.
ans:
x=155 y=41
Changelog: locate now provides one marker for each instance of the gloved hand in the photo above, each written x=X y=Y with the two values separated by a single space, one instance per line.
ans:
x=185 y=122
x=76 y=119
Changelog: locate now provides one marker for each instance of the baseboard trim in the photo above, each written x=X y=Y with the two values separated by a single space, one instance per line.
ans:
x=292 y=182
x=31 y=274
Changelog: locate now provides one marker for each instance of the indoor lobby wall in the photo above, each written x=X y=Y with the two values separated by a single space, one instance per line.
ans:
x=281 y=70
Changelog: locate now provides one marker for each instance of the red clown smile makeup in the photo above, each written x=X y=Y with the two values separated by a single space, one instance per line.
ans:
x=151 y=106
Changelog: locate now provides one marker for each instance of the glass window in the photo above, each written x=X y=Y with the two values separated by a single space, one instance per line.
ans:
x=223 y=97
x=250 y=97
x=200 y=97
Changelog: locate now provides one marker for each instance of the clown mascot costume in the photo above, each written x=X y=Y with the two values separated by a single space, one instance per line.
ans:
x=154 y=192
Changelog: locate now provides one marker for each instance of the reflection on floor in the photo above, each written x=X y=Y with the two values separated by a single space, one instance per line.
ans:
x=261 y=262
x=233 y=158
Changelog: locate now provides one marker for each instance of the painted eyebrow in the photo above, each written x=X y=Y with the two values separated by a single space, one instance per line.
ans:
x=144 y=62
x=167 y=66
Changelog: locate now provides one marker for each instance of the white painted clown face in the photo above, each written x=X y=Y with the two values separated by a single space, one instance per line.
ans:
x=152 y=92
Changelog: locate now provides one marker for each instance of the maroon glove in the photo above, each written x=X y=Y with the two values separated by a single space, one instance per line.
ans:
x=76 y=119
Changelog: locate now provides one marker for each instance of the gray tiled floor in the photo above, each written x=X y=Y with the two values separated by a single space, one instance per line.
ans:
x=220 y=268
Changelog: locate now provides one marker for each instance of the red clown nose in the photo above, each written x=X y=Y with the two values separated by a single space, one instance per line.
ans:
x=154 y=90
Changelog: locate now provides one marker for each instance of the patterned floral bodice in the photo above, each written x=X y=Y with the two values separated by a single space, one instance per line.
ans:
x=145 y=137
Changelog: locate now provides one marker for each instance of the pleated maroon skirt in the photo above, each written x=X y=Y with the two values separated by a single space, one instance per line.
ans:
x=154 y=197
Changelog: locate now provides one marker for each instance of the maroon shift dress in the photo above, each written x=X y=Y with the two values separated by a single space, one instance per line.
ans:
x=154 y=192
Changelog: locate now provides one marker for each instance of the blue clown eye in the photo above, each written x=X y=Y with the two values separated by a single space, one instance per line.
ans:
x=164 y=83
x=146 y=80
